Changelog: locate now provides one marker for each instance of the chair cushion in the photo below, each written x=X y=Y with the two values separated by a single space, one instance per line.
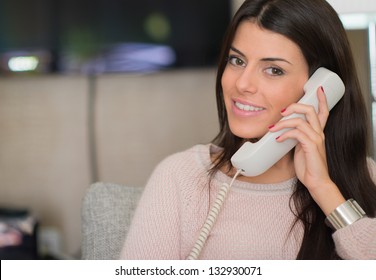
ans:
x=107 y=210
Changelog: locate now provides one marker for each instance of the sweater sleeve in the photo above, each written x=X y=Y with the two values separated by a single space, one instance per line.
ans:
x=358 y=241
x=154 y=231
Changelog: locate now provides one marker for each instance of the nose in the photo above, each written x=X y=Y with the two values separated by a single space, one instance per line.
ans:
x=247 y=82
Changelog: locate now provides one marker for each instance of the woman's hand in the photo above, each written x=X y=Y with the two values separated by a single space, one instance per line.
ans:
x=310 y=156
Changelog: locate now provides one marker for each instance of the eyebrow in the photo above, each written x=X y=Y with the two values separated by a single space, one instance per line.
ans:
x=263 y=59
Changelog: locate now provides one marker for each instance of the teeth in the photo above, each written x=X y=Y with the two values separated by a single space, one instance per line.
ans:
x=247 y=107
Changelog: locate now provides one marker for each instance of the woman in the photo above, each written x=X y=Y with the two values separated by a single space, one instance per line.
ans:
x=271 y=49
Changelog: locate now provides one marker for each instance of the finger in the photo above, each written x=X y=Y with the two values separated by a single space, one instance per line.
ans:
x=317 y=119
x=317 y=137
x=308 y=111
x=323 y=112
x=306 y=143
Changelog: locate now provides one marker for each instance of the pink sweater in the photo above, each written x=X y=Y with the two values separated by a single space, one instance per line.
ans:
x=254 y=223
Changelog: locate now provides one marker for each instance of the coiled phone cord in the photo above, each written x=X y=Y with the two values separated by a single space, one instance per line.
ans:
x=211 y=218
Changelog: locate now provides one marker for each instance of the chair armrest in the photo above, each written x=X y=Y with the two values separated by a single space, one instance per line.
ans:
x=107 y=211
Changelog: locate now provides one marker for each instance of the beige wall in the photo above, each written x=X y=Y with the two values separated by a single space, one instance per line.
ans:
x=43 y=150
x=141 y=119
x=137 y=120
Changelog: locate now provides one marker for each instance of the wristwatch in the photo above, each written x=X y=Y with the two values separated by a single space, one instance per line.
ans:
x=345 y=214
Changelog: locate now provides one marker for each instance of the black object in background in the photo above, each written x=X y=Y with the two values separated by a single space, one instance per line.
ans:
x=80 y=30
x=20 y=222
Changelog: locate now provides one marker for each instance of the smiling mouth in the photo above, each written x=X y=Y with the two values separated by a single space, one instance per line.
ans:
x=248 y=108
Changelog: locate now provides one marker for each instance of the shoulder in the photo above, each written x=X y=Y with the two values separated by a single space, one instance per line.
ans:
x=192 y=160
x=196 y=155
x=179 y=175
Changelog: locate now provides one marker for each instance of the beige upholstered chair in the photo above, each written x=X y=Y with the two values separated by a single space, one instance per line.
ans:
x=107 y=210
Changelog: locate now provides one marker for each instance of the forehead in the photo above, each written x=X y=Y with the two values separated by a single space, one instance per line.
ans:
x=253 y=40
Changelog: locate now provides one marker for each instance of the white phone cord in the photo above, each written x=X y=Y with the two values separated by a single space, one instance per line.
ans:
x=211 y=218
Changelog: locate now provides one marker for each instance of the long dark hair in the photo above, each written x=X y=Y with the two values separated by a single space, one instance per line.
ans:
x=316 y=28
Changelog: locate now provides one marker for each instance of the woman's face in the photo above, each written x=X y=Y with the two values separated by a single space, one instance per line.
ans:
x=265 y=73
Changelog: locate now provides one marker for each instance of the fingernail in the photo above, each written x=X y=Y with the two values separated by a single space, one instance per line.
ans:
x=271 y=126
x=283 y=110
x=277 y=137
x=322 y=89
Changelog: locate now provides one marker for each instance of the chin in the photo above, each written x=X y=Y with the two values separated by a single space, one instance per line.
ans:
x=248 y=134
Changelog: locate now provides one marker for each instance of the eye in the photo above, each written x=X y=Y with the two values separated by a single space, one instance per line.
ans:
x=236 y=61
x=274 y=71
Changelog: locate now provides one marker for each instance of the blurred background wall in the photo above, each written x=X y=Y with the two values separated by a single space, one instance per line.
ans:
x=102 y=91
x=59 y=134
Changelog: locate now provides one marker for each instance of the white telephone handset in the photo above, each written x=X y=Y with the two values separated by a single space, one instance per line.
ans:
x=255 y=158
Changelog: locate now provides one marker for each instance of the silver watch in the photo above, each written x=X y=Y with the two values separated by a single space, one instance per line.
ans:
x=345 y=214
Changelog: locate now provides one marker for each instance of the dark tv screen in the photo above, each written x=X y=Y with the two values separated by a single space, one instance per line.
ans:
x=113 y=35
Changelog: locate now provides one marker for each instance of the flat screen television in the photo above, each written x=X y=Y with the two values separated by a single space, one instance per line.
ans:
x=113 y=35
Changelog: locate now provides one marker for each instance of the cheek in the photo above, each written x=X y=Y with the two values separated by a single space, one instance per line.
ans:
x=286 y=96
